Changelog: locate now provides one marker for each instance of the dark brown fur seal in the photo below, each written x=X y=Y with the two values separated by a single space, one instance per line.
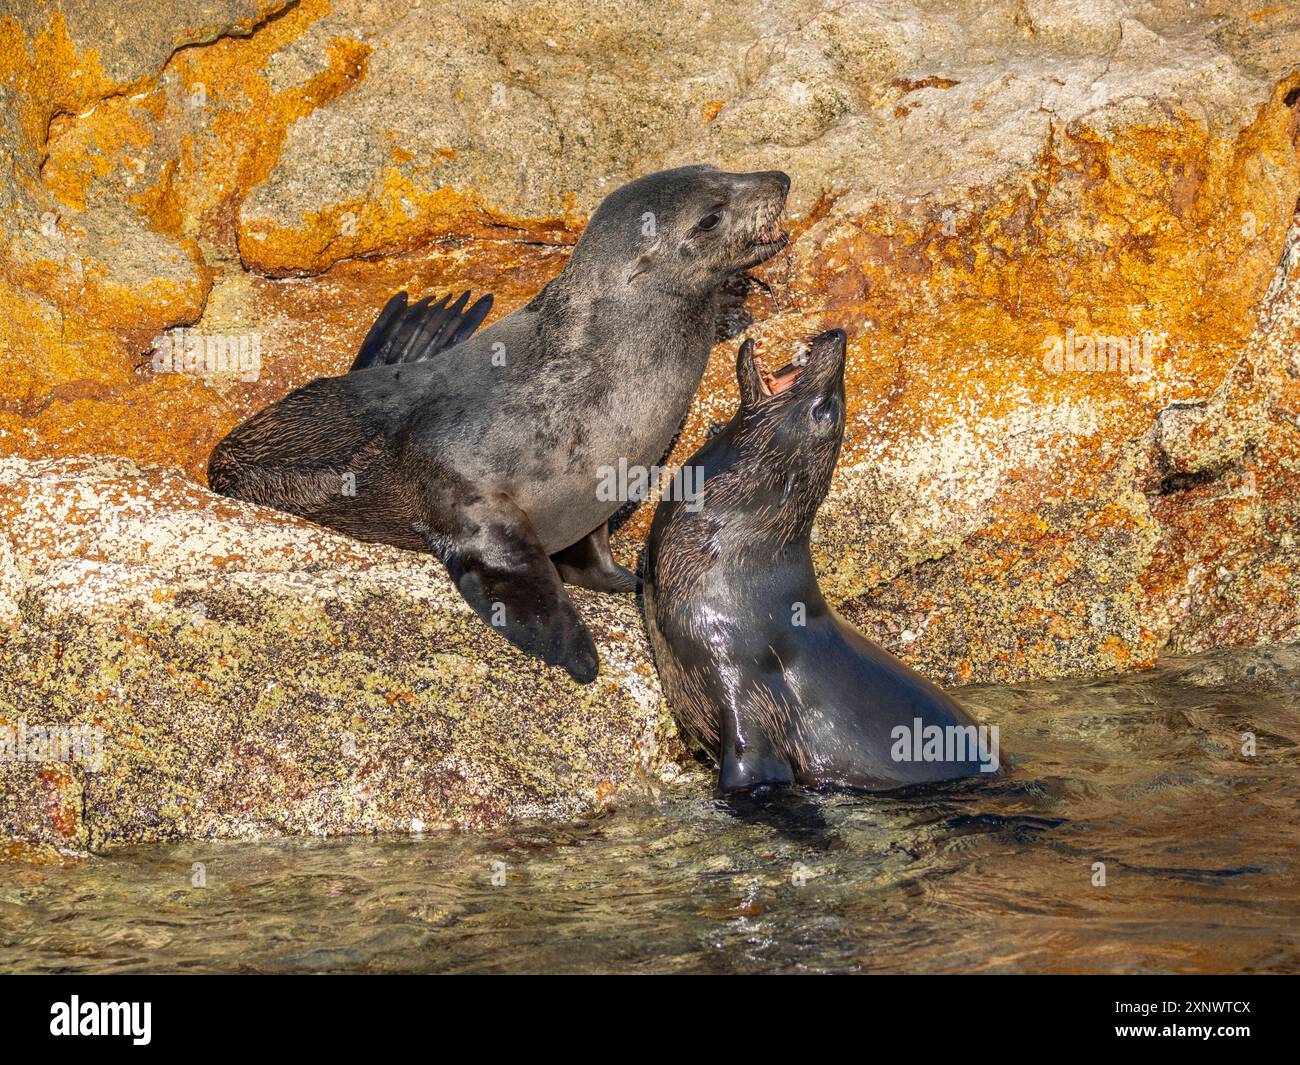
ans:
x=754 y=661
x=489 y=454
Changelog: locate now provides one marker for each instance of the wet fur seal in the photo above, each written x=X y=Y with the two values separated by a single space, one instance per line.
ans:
x=484 y=449
x=755 y=662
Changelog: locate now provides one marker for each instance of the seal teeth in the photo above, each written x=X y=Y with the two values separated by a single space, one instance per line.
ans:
x=772 y=232
x=764 y=378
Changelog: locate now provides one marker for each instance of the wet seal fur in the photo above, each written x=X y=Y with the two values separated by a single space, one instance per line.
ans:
x=485 y=449
x=754 y=661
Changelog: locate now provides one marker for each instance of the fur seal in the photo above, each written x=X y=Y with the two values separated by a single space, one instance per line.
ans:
x=753 y=659
x=486 y=450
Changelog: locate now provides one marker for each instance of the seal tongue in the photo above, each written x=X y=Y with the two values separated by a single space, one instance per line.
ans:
x=782 y=379
x=776 y=383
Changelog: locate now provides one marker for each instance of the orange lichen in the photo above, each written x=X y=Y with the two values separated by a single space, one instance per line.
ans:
x=244 y=119
x=49 y=76
x=72 y=325
x=169 y=420
x=29 y=853
x=932 y=82
x=1163 y=225
x=96 y=144
x=391 y=218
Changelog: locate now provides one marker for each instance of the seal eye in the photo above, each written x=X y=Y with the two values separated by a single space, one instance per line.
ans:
x=824 y=411
x=709 y=221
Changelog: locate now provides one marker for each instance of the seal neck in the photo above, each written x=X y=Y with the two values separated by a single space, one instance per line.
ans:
x=653 y=328
x=590 y=273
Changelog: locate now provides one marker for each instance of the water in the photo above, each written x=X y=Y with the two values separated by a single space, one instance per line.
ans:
x=1143 y=773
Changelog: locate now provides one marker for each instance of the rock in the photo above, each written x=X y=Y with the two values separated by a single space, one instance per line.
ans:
x=87 y=278
x=1057 y=234
x=218 y=670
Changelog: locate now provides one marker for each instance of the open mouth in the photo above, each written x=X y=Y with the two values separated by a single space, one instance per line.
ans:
x=773 y=384
x=816 y=350
x=771 y=238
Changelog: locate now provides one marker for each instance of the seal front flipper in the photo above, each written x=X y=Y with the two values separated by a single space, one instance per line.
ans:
x=419 y=331
x=499 y=566
x=589 y=564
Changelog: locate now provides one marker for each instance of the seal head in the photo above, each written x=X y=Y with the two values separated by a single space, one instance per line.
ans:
x=755 y=662
x=686 y=229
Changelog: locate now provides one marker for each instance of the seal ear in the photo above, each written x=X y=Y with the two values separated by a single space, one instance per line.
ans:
x=751 y=387
x=640 y=267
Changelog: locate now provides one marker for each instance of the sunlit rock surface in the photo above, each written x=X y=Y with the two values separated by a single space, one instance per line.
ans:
x=250 y=675
x=977 y=186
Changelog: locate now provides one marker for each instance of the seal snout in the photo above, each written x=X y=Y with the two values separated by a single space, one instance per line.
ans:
x=779 y=178
x=766 y=193
x=770 y=236
x=828 y=347
x=824 y=354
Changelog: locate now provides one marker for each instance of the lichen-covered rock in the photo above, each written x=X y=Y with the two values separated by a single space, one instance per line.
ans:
x=1056 y=232
x=236 y=672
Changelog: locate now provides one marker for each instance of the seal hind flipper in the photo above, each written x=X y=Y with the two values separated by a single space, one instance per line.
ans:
x=589 y=564
x=300 y=453
x=749 y=756
x=499 y=566
x=418 y=331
